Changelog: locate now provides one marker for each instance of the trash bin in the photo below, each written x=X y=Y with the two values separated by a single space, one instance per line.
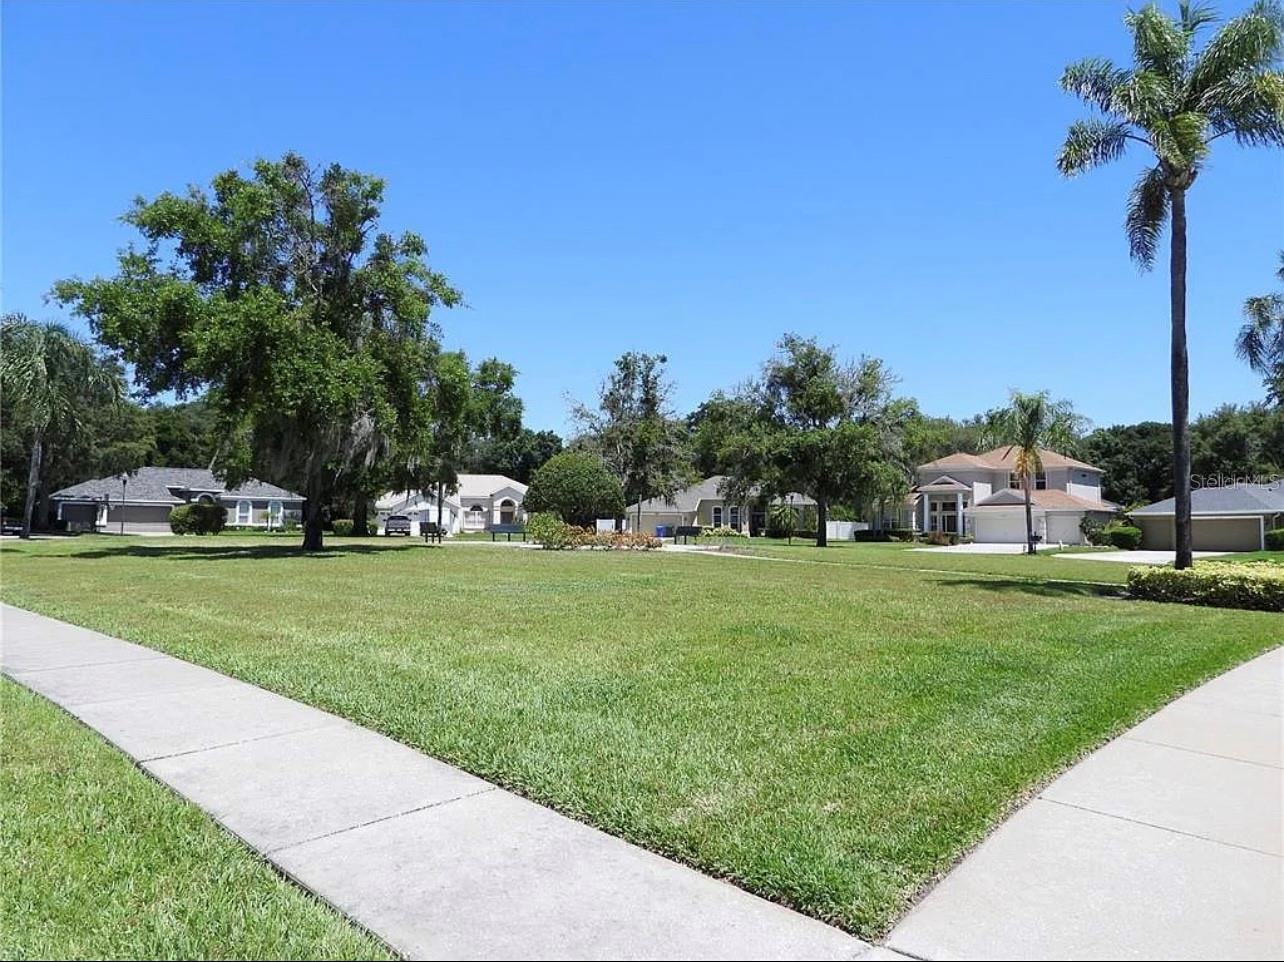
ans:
x=661 y=530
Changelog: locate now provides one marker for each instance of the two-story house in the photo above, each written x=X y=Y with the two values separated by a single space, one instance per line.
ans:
x=980 y=495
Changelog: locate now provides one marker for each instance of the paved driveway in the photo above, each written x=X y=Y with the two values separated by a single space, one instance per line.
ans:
x=1135 y=557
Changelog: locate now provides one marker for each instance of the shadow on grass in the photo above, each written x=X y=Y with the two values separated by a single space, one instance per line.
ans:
x=1042 y=589
x=235 y=552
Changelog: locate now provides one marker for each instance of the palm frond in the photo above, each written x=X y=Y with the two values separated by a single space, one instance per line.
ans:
x=1261 y=340
x=1147 y=214
x=1159 y=43
x=1250 y=43
x=1195 y=16
x=1093 y=80
x=1249 y=106
x=1091 y=143
x=1144 y=97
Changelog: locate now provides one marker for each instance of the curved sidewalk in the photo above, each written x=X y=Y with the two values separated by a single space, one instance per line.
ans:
x=1164 y=844
x=436 y=862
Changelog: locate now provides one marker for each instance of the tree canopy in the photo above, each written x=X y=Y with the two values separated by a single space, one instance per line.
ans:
x=578 y=487
x=277 y=295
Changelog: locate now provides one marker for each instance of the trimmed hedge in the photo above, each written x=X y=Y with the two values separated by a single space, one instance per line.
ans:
x=1275 y=539
x=1123 y=536
x=1258 y=586
x=197 y=518
x=343 y=527
x=553 y=534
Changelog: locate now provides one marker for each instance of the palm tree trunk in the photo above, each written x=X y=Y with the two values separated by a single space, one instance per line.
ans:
x=1029 y=517
x=33 y=480
x=1180 y=382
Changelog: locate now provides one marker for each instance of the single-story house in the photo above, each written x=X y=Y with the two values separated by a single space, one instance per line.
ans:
x=480 y=500
x=139 y=502
x=705 y=504
x=1233 y=517
x=980 y=495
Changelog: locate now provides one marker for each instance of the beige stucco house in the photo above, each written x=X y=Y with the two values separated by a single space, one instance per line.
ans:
x=979 y=495
x=1227 y=517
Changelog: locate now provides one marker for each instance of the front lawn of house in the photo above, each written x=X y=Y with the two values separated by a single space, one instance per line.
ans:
x=99 y=861
x=831 y=735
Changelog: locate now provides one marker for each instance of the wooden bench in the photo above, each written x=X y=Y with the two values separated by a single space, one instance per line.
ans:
x=685 y=531
x=431 y=531
x=507 y=530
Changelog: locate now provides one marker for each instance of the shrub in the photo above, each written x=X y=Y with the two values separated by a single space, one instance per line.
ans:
x=1123 y=536
x=722 y=533
x=343 y=527
x=576 y=487
x=197 y=518
x=1093 y=531
x=1275 y=539
x=941 y=538
x=781 y=521
x=553 y=534
x=1258 y=586
x=872 y=536
x=548 y=530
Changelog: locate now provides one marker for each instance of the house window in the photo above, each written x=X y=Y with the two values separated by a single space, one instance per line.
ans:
x=717 y=516
x=734 y=512
x=276 y=512
x=507 y=511
x=244 y=513
x=1040 y=481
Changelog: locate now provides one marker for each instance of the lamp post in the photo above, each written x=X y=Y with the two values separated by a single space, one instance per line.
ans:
x=124 y=479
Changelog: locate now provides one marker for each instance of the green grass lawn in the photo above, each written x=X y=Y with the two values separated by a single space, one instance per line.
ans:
x=828 y=735
x=99 y=861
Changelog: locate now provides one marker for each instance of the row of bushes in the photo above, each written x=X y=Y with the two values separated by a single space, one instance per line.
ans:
x=1116 y=534
x=1257 y=586
x=722 y=533
x=551 y=532
x=887 y=534
x=197 y=518
x=1275 y=539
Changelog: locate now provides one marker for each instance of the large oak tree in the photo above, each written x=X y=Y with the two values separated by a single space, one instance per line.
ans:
x=275 y=293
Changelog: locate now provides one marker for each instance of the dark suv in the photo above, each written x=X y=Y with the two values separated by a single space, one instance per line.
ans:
x=397 y=524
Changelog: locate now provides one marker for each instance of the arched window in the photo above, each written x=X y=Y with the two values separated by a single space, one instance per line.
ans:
x=276 y=512
x=205 y=499
x=244 y=512
x=507 y=511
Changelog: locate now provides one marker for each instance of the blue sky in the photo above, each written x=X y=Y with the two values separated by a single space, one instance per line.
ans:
x=693 y=179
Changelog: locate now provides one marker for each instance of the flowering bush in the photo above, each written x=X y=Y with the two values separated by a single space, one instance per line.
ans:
x=1258 y=586
x=722 y=533
x=552 y=533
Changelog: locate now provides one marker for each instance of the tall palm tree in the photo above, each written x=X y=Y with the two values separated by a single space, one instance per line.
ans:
x=1175 y=101
x=1031 y=424
x=1261 y=339
x=47 y=376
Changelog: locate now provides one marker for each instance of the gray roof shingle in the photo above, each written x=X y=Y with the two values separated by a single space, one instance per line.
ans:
x=160 y=484
x=1248 y=498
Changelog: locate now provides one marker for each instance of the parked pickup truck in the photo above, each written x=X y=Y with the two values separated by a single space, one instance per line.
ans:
x=397 y=524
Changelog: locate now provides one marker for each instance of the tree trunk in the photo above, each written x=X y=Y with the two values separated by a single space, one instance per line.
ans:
x=441 y=488
x=1029 y=518
x=1180 y=382
x=313 y=537
x=822 y=515
x=361 y=516
x=33 y=481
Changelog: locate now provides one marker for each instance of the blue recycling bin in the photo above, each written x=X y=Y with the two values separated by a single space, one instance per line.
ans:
x=661 y=530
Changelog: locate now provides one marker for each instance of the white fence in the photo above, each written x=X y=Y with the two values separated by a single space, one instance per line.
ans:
x=844 y=530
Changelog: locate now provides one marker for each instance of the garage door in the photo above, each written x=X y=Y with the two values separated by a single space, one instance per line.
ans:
x=1064 y=529
x=999 y=528
x=1156 y=533
x=1227 y=534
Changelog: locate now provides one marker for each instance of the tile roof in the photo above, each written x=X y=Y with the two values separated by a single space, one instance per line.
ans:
x=1003 y=458
x=1227 y=499
x=160 y=485
x=1050 y=498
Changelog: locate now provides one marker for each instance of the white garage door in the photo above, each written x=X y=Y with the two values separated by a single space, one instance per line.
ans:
x=1064 y=529
x=999 y=528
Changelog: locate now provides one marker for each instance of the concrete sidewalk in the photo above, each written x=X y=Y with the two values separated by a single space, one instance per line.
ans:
x=1165 y=844
x=434 y=861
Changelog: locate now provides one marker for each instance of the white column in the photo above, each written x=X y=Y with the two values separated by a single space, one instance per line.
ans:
x=958 y=512
x=927 y=512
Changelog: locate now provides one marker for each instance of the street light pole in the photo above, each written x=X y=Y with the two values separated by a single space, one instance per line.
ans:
x=123 y=481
